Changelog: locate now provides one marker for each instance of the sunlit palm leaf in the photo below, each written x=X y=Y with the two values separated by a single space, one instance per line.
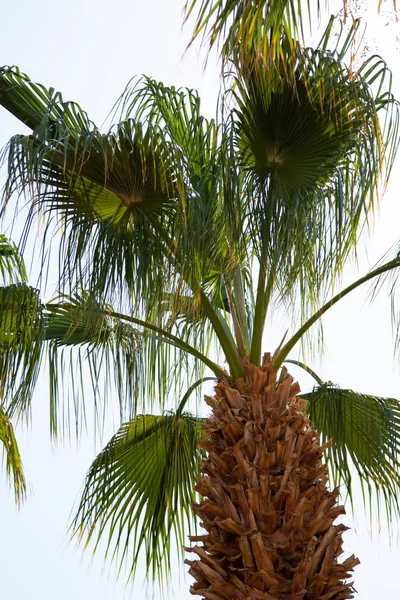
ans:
x=102 y=190
x=12 y=266
x=139 y=490
x=240 y=26
x=12 y=457
x=365 y=431
x=237 y=27
x=34 y=105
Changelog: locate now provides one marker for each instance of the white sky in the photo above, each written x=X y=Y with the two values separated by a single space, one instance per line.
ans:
x=88 y=50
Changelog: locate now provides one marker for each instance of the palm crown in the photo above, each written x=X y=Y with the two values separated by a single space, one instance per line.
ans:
x=178 y=234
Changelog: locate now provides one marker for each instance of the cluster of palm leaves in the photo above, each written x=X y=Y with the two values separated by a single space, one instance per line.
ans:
x=176 y=236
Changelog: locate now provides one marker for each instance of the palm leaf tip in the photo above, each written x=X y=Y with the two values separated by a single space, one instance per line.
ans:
x=139 y=490
x=12 y=457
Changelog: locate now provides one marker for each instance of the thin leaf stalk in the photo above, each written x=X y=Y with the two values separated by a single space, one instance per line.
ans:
x=306 y=368
x=393 y=264
x=164 y=336
x=240 y=305
x=264 y=290
x=191 y=389
x=236 y=325
x=259 y=316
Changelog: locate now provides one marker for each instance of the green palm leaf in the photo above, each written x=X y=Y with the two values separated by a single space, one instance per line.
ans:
x=12 y=266
x=309 y=140
x=237 y=27
x=241 y=26
x=139 y=490
x=13 y=459
x=36 y=106
x=88 y=349
x=314 y=140
x=365 y=433
x=200 y=156
x=89 y=345
x=21 y=338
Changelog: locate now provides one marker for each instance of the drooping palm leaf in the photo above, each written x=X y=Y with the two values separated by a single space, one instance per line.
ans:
x=91 y=346
x=139 y=490
x=242 y=26
x=237 y=27
x=365 y=431
x=89 y=350
x=12 y=457
x=12 y=266
x=21 y=341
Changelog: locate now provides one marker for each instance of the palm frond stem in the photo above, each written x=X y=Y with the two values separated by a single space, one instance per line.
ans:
x=263 y=285
x=164 y=335
x=393 y=264
x=236 y=325
x=306 y=368
x=229 y=349
x=259 y=316
x=240 y=305
x=190 y=390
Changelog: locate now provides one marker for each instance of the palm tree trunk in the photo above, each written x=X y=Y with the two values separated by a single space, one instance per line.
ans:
x=266 y=507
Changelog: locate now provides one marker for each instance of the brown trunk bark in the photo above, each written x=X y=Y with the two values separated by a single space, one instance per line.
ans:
x=266 y=507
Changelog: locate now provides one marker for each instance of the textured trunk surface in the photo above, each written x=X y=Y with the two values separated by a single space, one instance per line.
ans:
x=266 y=507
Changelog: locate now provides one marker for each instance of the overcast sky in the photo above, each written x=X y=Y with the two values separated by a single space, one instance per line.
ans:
x=89 y=50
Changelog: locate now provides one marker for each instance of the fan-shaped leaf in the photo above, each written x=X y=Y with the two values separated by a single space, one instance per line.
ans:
x=365 y=433
x=139 y=490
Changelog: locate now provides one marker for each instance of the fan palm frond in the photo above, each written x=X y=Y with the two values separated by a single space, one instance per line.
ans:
x=199 y=144
x=365 y=434
x=313 y=141
x=306 y=218
x=139 y=490
x=90 y=345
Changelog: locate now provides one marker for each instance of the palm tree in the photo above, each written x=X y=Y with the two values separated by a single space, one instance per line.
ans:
x=178 y=236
